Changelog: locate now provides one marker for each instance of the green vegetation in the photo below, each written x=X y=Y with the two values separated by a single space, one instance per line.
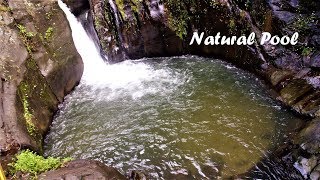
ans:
x=178 y=17
x=24 y=88
x=48 y=15
x=24 y=32
x=30 y=162
x=26 y=37
x=49 y=33
x=34 y=92
x=134 y=5
x=306 y=51
x=120 y=5
x=4 y=8
x=2 y=175
x=232 y=25
x=301 y=24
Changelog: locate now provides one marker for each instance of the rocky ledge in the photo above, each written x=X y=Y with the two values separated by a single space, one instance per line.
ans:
x=83 y=169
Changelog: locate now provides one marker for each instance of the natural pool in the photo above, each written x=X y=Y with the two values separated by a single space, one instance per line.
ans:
x=165 y=116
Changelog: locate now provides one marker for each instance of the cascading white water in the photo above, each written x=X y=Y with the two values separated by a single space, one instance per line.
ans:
x=127 y=77
x=113 y=6
x=85 y=47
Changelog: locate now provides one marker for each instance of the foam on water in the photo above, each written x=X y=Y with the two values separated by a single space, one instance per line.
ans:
x=123 y=78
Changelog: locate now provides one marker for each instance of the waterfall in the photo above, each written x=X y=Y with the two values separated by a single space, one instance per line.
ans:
x=93 y=62
x=128 y=77
x=115 y=11
x=116 y=15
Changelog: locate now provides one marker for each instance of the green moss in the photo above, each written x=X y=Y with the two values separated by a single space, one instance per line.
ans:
x=49 y=33
x=4 y=8
x=26 y=37
x=48 y=15
x=301 y=23
x=178 y=17
x=30 y=162
x=135 y=6
x=232 y=25
x=24 y=90
x=120 y=4
x=24 y=32
x=306 y=51
x=97 y=23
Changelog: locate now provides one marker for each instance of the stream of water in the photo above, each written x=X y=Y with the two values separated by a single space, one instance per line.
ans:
x=180 y=116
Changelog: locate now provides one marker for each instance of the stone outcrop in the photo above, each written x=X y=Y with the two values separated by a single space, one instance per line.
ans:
x=39 y=65
x=83 y=169
x=135 y=29
x=307 y=151
x=294 y=72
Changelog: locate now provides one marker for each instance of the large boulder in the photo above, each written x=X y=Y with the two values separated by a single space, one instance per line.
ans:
x=83 y=169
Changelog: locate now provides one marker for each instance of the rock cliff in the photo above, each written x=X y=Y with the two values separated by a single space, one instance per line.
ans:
x=39 y=65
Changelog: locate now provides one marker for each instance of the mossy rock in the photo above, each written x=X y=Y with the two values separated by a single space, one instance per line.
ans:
x=37 y=103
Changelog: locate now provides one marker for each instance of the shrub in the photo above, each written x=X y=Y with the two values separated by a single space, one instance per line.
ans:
x=30 y=162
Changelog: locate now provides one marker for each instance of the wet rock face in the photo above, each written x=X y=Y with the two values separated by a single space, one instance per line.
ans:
x=39 y=65
x=306 y=156
x=135 y=29
x=309 y=137
x=310 y=5
x=83 y=169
